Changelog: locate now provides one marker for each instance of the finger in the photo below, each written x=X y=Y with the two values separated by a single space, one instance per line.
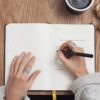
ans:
x=31 y=62
x=67 y=45
x=32 y=78
x=64 y=45
x=13 y=65
x=28 y=68
x=61 y=56
x=78 y=49
x=24 y=62
x=66 y=61
x=71 y=45
x=18 y=63
x=26 y=58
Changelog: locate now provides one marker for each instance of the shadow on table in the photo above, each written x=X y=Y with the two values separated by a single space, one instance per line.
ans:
x=63 y=97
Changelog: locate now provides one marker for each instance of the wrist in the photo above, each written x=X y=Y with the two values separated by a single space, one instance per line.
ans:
x=11 y=98
x=82 y=74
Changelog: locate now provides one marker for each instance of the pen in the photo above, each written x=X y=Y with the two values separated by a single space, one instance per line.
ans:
x=72 y=53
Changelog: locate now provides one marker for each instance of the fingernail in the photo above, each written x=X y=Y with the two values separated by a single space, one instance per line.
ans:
x=57 y=50
x=39 y=71
x=23 y=52
x=16 y=57
x=34 y=57
x=29 y=53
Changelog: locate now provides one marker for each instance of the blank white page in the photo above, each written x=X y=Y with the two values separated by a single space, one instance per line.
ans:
x=43 y=40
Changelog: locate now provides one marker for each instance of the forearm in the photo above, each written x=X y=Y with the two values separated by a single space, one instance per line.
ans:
x=87 y=87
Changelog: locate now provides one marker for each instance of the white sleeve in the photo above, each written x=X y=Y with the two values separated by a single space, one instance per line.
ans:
x=87 y=87
x=2 y=94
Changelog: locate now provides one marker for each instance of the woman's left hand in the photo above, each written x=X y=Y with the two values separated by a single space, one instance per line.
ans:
x=19 y=81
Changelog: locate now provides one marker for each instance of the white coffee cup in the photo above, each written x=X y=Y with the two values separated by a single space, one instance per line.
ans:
x=79 y=10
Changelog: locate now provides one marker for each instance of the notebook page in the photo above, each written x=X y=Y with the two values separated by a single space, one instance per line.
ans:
x=83 y=36
x=50 y=37
x=34 y=38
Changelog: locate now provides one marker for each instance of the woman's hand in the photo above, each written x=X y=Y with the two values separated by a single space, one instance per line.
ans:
x=75 y=64
x=19 y=81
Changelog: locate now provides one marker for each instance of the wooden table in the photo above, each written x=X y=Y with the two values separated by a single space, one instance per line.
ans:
x=42 y=11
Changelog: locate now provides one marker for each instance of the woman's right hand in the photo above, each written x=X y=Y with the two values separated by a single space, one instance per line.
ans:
x=75 y=64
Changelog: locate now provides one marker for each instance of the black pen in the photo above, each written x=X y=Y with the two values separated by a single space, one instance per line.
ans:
x=72 y=53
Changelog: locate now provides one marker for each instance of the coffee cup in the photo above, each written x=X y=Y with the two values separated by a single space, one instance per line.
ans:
x=79 y=6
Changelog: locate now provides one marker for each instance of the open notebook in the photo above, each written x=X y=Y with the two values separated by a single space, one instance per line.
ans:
x=43 y=40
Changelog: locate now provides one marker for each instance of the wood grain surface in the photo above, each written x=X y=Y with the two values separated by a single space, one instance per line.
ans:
x=43 y=11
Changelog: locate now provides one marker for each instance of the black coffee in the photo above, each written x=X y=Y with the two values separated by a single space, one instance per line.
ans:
x=79 y=4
